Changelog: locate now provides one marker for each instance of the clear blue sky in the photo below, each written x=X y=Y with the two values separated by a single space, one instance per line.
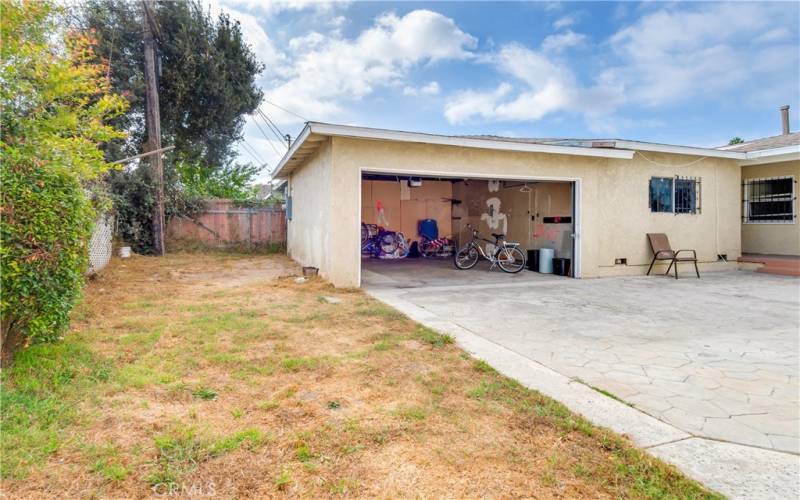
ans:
x=683 y=73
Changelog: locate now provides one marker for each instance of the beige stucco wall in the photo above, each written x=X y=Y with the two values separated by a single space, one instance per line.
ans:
x=772 y=238
x=613 y=201
x=309 y=230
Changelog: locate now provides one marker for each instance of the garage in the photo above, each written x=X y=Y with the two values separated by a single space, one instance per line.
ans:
x=411 y=226
x=587 y=200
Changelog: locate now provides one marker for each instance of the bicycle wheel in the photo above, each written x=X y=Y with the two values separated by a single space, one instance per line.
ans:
x=389 y=242
x=511 y=259
x=466 y=258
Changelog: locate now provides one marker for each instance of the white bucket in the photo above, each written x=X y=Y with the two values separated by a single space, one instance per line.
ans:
x=125 y=252
x=546 y=260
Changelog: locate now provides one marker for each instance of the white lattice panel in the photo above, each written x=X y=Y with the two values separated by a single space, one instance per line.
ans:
x=100 y=244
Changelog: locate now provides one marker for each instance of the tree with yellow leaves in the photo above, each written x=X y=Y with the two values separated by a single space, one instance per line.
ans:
x=56 y=102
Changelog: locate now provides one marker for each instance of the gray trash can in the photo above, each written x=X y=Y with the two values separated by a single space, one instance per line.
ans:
x=546 y=260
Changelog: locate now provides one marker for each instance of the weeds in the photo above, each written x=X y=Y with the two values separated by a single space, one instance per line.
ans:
x=431 y=337
x=248 y=438
x=380 y=398
x=205 y=393
x=283 y=480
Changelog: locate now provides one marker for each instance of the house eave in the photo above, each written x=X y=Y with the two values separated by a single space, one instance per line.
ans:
x=786 y=153
x=289 y=161
x=680 y=150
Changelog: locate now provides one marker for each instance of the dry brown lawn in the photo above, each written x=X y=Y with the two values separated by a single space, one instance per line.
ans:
x=219 y=375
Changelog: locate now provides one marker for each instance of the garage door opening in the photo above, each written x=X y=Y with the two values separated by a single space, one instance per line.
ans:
x=411 y=226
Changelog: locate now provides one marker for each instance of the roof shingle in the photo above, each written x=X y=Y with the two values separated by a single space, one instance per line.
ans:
x=778 y=141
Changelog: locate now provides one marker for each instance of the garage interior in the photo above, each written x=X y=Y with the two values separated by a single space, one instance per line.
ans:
x=536 y=214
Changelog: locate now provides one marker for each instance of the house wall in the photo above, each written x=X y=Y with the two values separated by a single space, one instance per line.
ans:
x=772 y=238
x=309 y=230
x=615 y=216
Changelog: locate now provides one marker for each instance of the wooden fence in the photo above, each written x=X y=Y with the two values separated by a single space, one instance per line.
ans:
x=224 y=225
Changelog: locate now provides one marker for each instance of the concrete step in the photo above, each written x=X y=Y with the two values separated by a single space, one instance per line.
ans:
x=783 y=271
x=773 y=264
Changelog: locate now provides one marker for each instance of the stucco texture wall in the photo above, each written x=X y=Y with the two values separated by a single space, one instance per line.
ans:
x=615 y=215
x=308 y=232
x=772 y=238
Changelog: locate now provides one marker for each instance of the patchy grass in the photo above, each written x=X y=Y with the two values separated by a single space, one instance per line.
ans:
x=604 y=392
x=433 y=338
x=212 y=371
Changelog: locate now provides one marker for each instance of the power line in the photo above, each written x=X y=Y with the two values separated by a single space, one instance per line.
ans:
x=284 y=109
x=267 y=138
x=275 y=131
x=251 y=151
x=275 y=125
x=267 y=118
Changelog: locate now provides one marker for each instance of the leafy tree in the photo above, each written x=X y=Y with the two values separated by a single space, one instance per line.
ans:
x=232 y=181
x=56 y=106
x=207 y=84
x=735 y=140
x=134 y=202
x=207 y=81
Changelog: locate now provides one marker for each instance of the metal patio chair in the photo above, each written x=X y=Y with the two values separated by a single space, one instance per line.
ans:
x=659 y=244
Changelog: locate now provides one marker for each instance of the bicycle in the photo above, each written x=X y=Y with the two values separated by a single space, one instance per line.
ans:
x=507 y=255
x=381 y=243
x=430 y=244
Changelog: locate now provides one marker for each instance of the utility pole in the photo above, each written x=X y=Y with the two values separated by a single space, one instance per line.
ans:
x=153 y=122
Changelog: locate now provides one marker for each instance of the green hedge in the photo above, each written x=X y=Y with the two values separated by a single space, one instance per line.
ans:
x=47 y=220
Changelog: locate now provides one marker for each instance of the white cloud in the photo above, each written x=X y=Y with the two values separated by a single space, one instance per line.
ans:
x=324 y=72
x=431 y=88
x=552 y=6
x=563 y=22
x=673 y=55
x=306 y=42
x=562 y=41
x=774 y=35
x=546 y=86
x=468 y=104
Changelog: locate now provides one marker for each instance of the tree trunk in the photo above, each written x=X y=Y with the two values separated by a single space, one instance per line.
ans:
x=11 y=340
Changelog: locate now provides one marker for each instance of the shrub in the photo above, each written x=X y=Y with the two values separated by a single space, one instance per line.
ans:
x=44 y=253
x=55 y=104
x=134 y=203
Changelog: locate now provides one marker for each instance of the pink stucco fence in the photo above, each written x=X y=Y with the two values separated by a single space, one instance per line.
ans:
x=224 y=225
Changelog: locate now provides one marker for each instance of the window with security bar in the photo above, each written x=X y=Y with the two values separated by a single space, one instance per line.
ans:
x=675 y=195
x=769 y=200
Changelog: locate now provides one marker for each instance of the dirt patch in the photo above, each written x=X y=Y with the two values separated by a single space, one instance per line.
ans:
x=225 y=378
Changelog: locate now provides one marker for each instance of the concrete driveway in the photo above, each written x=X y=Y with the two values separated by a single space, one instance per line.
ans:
x=716 y=358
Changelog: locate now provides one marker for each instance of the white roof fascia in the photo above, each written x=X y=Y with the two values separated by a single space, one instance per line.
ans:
x=467 y=142
x=298 y=141
x=786 y=153
x=680 y=150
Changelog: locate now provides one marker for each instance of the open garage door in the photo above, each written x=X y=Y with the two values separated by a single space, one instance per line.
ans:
x=401 y=214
